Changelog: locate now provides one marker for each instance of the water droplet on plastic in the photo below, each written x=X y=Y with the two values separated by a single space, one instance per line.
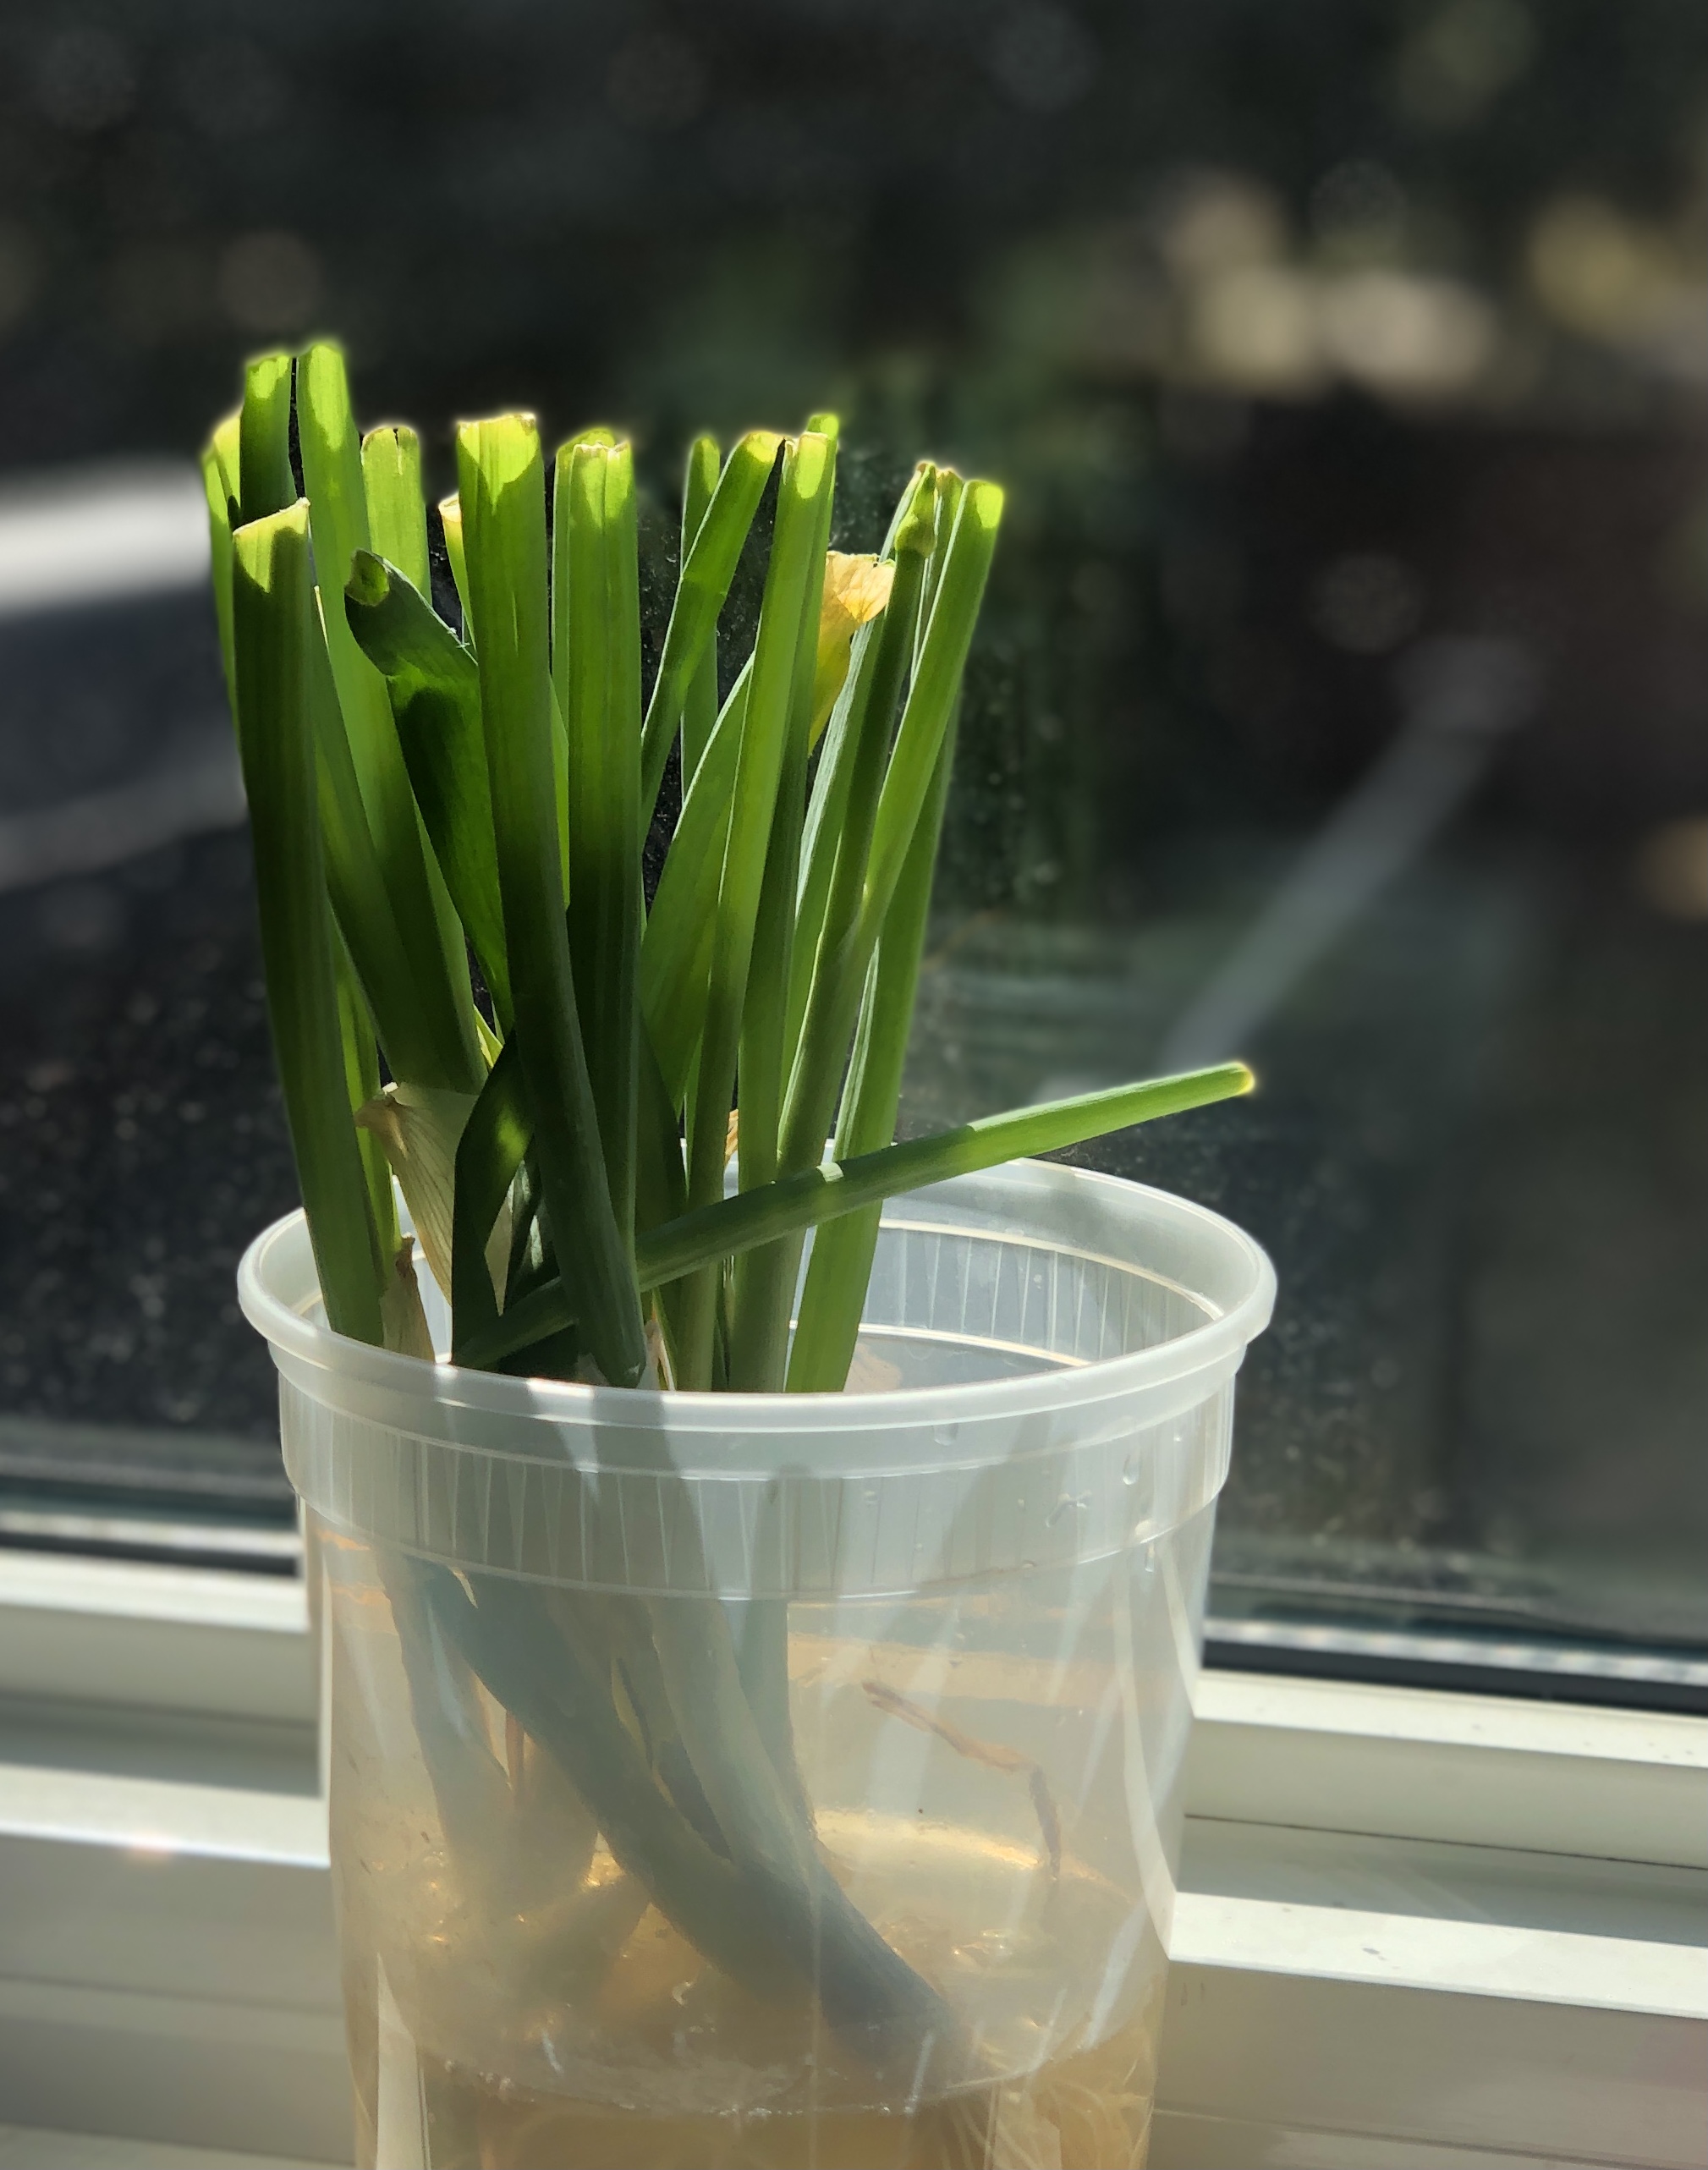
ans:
x=679 y=1993
x=1130 y=1471
x=946 y=1434
x=1069 y=1503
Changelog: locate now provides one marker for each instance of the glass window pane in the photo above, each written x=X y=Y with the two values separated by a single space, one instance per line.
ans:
x=1342 y=699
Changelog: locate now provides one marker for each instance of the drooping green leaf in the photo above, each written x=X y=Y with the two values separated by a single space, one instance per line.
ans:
x=795 y=1203
x=823 y=1194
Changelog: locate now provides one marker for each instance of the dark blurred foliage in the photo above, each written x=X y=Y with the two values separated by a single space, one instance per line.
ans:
x=721 y=212
x=1240 y=300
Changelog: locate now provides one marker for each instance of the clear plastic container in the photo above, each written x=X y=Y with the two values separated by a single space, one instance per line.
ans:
x=766 y=1780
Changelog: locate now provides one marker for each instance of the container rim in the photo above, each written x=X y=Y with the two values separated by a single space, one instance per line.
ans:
x=1218 y=1343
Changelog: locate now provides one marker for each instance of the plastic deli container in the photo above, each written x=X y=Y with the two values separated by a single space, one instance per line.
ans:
x=767 y=1780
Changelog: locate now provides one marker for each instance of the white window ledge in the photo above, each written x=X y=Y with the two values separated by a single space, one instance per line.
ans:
x=33 y=2148
x=1416 y=1929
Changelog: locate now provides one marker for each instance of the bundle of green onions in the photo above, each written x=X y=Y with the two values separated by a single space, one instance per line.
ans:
x=562 y=1116
x=420 y=794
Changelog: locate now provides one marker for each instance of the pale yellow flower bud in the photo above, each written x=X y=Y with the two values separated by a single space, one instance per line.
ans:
x=855 y=589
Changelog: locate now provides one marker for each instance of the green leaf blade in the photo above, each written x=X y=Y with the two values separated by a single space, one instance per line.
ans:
x=682 y=1247
x=434 y=685
x=219 y=557
x=265 y=484
x=396 y=510
x=500 y=475
x=765 y=1281
x=450 y=510
x=834 y=1298
x=708 y=567
x=700 y=701
x=362 y=1085
x=597 y=666
x=489 y=1152
x=676 y=946
x=382 y=961
x=275 y=638
x=800 y=1201
x=806 y=475
x=844 y=944
x=444 y=1044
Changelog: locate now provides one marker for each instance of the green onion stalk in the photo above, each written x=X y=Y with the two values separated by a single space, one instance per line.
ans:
x=449 y=815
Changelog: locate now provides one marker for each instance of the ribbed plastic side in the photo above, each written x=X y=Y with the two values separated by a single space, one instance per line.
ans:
x=799 y=1534
x=1065 y=1391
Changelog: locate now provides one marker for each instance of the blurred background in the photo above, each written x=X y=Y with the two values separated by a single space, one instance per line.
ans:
x=1342 y=699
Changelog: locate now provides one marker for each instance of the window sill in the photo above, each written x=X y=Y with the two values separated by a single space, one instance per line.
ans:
x=1416 y=1928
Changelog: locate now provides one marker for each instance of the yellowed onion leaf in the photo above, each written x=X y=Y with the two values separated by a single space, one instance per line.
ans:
x=401 y=1315
x=419 y=1128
